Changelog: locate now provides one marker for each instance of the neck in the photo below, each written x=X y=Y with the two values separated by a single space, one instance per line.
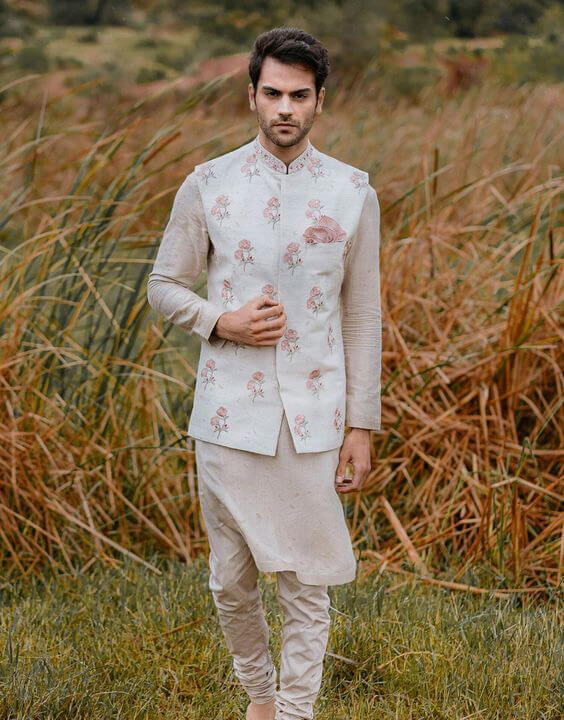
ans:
x=286 y=154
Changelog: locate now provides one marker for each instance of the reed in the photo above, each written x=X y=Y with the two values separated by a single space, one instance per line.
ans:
x=95 y=391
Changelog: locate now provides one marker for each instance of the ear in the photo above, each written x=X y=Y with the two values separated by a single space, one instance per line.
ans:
x=320 y=98
x=251 y=90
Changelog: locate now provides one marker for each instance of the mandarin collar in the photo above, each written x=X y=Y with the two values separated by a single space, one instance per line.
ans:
x=278 y=165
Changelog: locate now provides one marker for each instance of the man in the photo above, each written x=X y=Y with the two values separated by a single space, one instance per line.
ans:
x=290 y=353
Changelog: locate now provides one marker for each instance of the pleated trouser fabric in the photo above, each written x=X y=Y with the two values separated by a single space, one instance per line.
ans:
x=278 y=514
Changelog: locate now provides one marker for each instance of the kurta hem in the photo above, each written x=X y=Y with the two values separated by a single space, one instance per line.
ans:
x=332 y=578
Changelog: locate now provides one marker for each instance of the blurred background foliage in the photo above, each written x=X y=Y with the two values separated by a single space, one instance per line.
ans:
x=174 y=34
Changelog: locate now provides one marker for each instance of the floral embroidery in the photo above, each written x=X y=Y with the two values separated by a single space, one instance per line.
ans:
x=250 y=167
x=219 y=421
x=269 y=290
x=292 y=256
x=314 y=209
x=244 y=253
x=325 y=229
x=331 y=338
x=219 y=210
x=227 y=292
x=207 y=373
x=255 y=385
x=290 y=342
x=206 y=172
x=314 y=382
x=338 y=420
x=277 y=164
x=272 y=211
x=300 y=427
x=315 y=300
x=358 y=179
x=314 y=166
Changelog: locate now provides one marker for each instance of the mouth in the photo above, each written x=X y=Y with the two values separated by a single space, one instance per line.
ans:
x=285 y=125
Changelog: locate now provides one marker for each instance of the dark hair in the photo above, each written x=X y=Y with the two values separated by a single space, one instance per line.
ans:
x=293 y=46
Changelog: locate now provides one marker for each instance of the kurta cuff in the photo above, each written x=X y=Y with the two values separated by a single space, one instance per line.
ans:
x=209 y=315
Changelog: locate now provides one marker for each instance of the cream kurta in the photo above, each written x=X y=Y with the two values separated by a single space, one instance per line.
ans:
x=284 y=505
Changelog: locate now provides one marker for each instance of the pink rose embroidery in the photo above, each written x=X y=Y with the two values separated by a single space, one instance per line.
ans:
x=219 y=421
x=219 y=210
x=358 y=179
x=315 y=300
x=314 y=382
x=255 y=385
x=227 y=292
x=250 y=166
x=338 y=420
x=290 y=343
x=207 y=373
x=206 y=172
x=269 y=290
x=330 y=338
x=314 y=165
x=325 y=230
x=292 y=256
x=314 y=209
x=300 y=427
x=244 y=253
x=272 y=211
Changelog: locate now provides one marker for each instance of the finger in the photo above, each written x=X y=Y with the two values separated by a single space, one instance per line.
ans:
x=267 y=326
x=347 y=485
x=341 y=467
x=266 y=300
x=343 y=489
x=271 y=311
x=360 y=474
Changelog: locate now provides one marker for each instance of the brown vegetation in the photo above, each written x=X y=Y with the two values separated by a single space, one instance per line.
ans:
x=467 y=473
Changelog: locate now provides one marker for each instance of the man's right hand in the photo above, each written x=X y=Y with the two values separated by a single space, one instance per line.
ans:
x=260 y=321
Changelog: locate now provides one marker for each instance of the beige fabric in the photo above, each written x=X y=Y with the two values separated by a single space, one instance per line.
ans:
x=285 y=506
x=233 y=583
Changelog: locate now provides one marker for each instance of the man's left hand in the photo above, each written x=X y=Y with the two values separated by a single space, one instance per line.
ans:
x=355 y=450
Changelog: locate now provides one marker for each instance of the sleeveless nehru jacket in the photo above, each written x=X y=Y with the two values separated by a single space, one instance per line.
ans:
x=306 y=234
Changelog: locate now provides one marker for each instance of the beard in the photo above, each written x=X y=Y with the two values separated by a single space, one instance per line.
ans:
x=282 y=140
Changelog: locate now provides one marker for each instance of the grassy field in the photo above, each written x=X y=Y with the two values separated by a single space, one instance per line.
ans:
x=128 y=643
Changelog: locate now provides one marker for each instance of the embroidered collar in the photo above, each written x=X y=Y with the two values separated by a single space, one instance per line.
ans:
x=276 y=164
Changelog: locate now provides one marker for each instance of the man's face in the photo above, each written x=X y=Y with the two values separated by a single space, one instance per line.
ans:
x=285 y=94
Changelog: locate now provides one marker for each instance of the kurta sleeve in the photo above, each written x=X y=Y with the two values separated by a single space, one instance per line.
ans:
x=181 y=256
x=362 y=320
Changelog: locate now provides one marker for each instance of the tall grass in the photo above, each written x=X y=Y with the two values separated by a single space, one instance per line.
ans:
x=95 y=391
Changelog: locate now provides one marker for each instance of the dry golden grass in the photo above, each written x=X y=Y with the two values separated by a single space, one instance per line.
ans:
x=466 y=485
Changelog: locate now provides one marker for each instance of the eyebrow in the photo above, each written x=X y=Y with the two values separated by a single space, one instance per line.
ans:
x=301 y=90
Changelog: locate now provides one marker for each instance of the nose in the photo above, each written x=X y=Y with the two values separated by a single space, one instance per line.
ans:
x=285 y=106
